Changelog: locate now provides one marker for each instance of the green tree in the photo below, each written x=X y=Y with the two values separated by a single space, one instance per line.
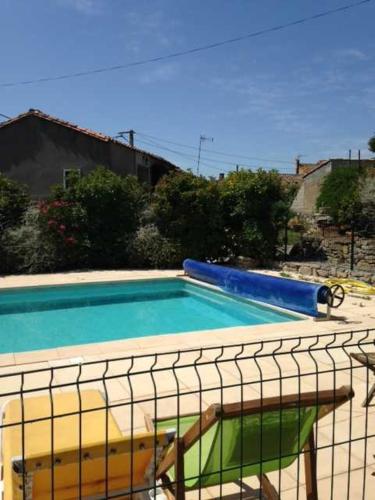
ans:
x=14 y=200
x=371 y=144
x=255 y=206
x=187 y=211
x=113 y=205
x=339 y=195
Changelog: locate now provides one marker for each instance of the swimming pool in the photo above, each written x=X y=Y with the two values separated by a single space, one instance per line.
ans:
x=57 y=316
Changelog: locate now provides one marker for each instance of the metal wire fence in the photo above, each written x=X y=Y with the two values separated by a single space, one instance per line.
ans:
x=272 y=419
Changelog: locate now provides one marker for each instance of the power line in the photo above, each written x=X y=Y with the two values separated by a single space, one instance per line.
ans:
x=221 y=153
x=204 y=160
x=179 y=153
x=183 y=155
x=186 y=52
x=5 y=116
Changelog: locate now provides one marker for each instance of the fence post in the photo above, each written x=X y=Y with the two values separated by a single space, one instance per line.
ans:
x=286 y=240
x=352 y=246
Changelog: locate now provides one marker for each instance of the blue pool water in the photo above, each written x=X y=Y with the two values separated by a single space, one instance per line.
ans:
x=48 y=317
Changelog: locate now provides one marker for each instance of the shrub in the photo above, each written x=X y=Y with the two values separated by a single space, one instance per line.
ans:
x=150 y=249
x=25 y=250
x=339 y=195
x=63 y=229
x=187 y=212
x=371 y=144
x=367 y=200
x=113 y=206
x=255 y=205
x=14 y=200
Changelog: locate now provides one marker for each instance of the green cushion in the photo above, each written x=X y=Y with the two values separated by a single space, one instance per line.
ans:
x=284 y=434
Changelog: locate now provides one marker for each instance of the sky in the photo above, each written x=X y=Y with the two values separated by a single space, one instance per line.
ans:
x=308 y=90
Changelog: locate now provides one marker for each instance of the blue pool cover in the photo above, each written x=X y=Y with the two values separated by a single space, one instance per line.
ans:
x=298 y=296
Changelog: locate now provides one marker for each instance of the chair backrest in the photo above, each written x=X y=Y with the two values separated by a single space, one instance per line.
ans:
x=71 y=441
x=124 y=463
x=249 y=438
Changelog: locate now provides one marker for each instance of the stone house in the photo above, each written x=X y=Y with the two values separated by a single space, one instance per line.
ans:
x=312 y=179
x=40 y=150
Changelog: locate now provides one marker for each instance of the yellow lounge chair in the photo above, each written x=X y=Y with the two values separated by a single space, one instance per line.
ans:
x=69 y=466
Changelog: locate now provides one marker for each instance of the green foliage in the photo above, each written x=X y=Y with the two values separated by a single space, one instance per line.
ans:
x=25 y=250
x=187 y=212
x=255 y=206
x=367 y=199
x=113 y=206
x=371 y=144
x=105 y=220
x=14 y=200
x=63 y=228
x=211 y=220
x=150 y=249
x=339 y=194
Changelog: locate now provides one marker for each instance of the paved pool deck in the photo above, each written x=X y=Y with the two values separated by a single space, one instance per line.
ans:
x=355 y=314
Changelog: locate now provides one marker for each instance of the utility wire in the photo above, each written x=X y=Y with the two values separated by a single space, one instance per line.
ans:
x=183 y=155
x=186 y=52
x=204 y=159
x=221 y=153
x=5 y=116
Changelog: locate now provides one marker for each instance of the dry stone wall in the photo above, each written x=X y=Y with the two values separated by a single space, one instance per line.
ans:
x=337 y=251
x=323 y=270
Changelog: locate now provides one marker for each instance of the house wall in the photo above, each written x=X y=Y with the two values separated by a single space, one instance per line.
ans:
x=307 y=195
x=305 y=200
x=35 y=152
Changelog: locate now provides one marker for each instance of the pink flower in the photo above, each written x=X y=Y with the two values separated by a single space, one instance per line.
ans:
x=52 y=222
x=62 y=228
x=70 y=240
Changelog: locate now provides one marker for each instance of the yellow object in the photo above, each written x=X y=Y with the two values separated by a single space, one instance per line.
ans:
x=352 y=286
x=87 y=462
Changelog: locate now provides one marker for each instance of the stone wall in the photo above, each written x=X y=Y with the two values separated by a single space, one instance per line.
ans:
x=323 y=270
x=338 y=249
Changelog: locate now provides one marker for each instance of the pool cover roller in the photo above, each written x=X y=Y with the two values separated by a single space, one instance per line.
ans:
x=298 y=296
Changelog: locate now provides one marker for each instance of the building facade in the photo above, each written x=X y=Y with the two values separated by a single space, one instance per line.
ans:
x=40 y=151
x=307 y=195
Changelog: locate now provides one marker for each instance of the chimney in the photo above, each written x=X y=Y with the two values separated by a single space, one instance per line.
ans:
x=298 y=164
x=221 y=177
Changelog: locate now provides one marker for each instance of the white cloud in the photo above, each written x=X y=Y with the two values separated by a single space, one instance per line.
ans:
x=152 y=25
x=265 y=98
x=84 y=6
x=352 y=53
x=161 y=73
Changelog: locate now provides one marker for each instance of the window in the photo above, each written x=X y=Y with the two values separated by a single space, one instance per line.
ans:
x=69 y=175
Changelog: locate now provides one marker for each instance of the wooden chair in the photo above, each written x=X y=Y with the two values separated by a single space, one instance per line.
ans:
x=88 y=454
x=232 y=441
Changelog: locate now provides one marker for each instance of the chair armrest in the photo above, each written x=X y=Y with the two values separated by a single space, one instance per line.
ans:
x=149 y=423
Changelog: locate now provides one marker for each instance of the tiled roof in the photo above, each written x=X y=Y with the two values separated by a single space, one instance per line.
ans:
x=289 y=178
x=318 y=165
x=91 y=133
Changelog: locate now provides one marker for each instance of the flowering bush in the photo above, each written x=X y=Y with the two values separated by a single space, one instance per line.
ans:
x=64 y=225
x=112 y=205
